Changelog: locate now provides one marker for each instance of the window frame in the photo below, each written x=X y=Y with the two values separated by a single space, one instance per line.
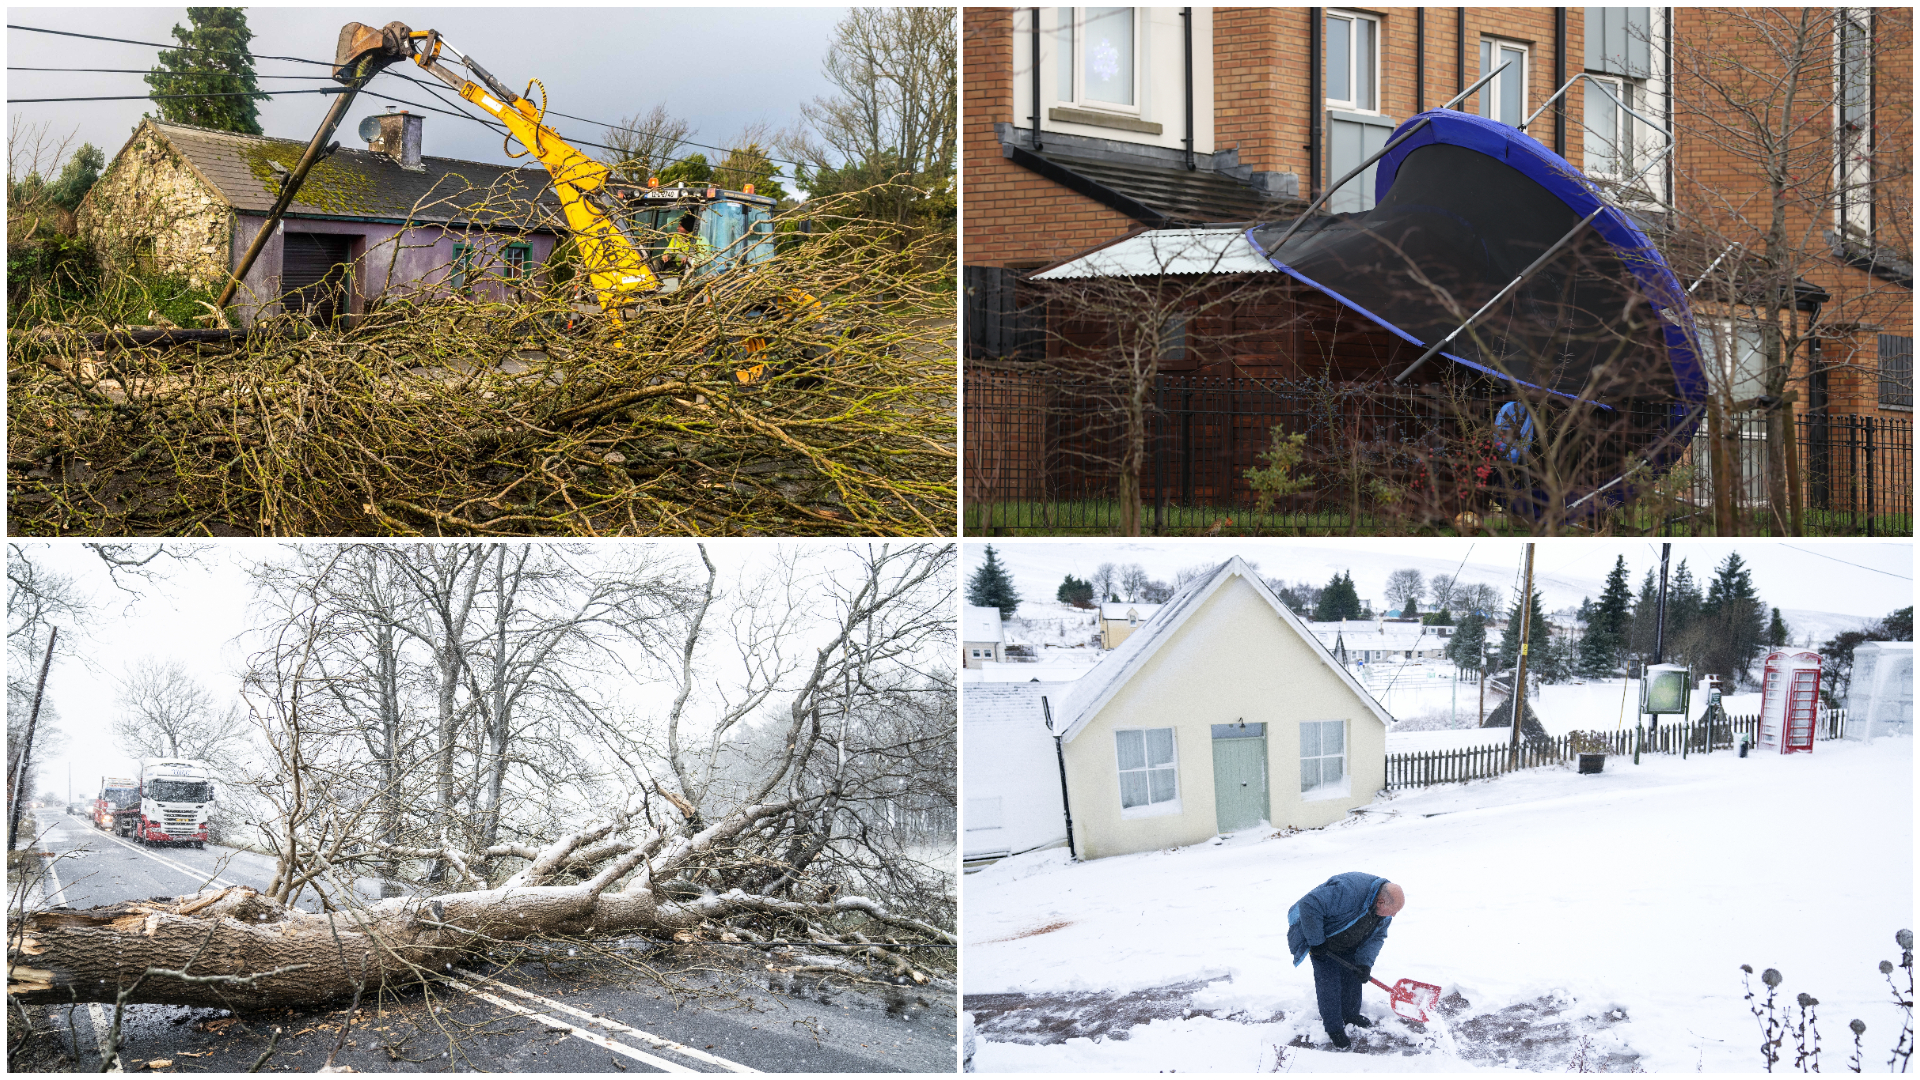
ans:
x=1853 y=179
x=1150 y=808
x=1626 y=148
x=1898 y=384
x=516 y=273
x=1351 y=104
x=461 y=269
x=1491 y=92
x=1326 y=790
x=1070 y=52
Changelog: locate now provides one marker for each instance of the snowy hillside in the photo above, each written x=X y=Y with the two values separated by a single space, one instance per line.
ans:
x=1601 y=916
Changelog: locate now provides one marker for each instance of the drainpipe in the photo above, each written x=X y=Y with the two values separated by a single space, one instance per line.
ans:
x=1559 y=80
x=1314 y=102
x=1460 y=61
x=1419 y=60
x=1186 y=17
x=1060 y=755
x=1667 y=78
x=1036 y=79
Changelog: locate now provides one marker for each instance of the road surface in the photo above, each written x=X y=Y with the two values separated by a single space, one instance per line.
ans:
x=637 y=1008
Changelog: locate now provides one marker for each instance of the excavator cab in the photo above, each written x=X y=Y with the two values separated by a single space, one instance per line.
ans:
x=736 y=227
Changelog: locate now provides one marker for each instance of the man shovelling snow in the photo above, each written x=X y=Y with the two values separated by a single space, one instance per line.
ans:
x=1342 y=923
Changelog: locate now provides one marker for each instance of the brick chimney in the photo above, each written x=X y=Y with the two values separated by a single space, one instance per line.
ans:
x=399 y=139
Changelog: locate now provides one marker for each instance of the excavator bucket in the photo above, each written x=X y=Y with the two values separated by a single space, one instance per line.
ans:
x=359 y=42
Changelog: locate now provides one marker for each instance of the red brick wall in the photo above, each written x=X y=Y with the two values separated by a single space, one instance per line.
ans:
x=1013 y=217
x=1721 y=188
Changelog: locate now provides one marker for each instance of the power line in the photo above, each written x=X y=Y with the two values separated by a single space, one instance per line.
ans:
x=183 y=74
x=159 y=45
x=1823 y=555
x=174 y=97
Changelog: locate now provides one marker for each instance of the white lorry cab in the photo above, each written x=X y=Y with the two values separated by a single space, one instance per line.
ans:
x=176 y=795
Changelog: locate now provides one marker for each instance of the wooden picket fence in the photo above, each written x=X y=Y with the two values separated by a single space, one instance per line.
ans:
x=1484 y=762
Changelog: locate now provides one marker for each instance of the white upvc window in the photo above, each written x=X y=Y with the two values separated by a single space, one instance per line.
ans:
x=1505 y=98
x=1853 y=123
x=1097 y=57
x=1323 y=758
x=1734 y=356
x=1609 y=141
x=1148 y=769
x=1353 y=61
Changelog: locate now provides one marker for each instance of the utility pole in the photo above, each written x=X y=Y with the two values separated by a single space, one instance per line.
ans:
x=1520 y=662
x=1660 y=610
x=26 y=744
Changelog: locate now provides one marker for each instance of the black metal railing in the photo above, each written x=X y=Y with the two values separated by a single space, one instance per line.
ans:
x=1044 y=456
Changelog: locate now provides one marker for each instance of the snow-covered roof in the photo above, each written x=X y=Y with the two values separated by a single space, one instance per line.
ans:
x=980 y=624
x=1168 y=251
x=1012 y=703
x=1368 y=634
x=1114 y=609
x=1093 y=691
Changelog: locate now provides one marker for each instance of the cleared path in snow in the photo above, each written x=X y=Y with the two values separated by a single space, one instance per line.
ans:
x=1640 y=890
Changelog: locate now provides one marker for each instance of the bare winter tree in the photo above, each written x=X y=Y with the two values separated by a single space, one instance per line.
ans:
x=166 y=712
x=1404 y=586
x=643 y=144
x=791 y=778
x=1133 y=578
x=1105 y=580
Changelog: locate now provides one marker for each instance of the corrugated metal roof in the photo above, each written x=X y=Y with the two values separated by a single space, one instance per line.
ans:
x=1168 y=251
x=360 y=183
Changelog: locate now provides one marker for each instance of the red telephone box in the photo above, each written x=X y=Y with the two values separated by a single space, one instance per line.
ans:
x=1789 y=701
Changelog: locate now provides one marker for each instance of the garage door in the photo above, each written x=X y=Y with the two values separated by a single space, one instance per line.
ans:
x=315 y=274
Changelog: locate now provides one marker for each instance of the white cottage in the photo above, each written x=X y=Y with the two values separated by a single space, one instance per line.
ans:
x=1011 y=770
x=1222 y=712
x=983 y=637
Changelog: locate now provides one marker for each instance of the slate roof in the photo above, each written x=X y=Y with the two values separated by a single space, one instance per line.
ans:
x=1092 y=692
x=360 y=183
x=1013 y=703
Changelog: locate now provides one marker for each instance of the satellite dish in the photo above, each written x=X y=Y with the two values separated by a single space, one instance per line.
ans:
x=370 y=129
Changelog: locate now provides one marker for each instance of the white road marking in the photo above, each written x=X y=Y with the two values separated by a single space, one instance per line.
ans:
x=647 y=1037
x=102 y=1026
x=598 y=1040
x=180 y=866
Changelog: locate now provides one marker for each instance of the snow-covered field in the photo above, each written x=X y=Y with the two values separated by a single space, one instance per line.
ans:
x=1552 y=907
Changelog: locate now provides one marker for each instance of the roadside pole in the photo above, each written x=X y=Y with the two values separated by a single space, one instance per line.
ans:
x=1519 y=698
x=26 y=744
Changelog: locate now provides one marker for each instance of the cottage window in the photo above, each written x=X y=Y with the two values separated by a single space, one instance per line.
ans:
x=1147 y=773
x=515 y=259
x=143 y=261
x=1853 y=124
x=461 y=276
x=1505 y=98
x=1323 y=756
x=1097 y=57
x=1353 y=61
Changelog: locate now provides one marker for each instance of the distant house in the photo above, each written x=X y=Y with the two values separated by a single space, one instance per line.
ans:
x=1117 y=620
x=1368 y=641
x=366 y=224
x=983 y=637
x=1222 y=712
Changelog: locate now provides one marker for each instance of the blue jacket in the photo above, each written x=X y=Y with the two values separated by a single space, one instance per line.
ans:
x=1331 y=907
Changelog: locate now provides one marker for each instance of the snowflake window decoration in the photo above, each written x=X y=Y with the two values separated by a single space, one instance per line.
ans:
x=1105 y=61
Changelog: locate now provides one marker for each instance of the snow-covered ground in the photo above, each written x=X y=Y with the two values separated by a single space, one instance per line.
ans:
x=1552 y=907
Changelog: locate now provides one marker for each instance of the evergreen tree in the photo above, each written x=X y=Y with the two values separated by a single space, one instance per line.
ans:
x=1608 y=623
x=1899 y=624
x=1339 y=600
x=77 y=177
x=1468 y=648
x=1646 y=616
x=1539 y=632
x=992 y=587
x=1074 y=591
x=1683 y=602
x=1733 y=619
x=1777 y=630
x=1443 y=617
x=213 y=59
x=691 y=170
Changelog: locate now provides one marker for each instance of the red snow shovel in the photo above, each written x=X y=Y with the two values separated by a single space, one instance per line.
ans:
x=1411 y=999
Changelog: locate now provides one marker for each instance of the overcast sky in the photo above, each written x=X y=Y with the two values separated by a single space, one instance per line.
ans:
x=1861 y=578
x=719 y=68
x=199 y=616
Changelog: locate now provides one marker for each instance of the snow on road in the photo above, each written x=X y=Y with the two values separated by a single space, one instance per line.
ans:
x=1549 y=905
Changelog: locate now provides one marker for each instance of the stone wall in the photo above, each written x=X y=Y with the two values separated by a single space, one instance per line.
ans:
x=150 y=200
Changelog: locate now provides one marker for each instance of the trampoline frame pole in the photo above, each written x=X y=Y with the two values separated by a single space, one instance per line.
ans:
x=1546 y=257
x=1377 y=155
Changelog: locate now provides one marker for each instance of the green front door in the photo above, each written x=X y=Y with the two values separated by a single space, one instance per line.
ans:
x=1239 y=775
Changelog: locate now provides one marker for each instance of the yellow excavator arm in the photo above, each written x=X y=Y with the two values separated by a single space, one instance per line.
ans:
x=617 y=270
